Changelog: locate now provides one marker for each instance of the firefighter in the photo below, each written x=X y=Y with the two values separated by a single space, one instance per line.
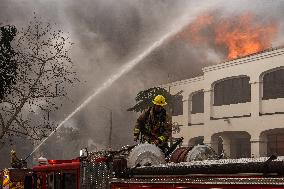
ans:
x=154 y=124
x=14 y=159
x=6 y=179
x=16 y=162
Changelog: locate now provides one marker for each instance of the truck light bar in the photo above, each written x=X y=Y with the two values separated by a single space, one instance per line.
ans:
x=53 y=161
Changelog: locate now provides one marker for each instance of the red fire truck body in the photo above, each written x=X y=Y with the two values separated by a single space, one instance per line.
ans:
x=57 y=174
x=102 y=173
x=102 y=170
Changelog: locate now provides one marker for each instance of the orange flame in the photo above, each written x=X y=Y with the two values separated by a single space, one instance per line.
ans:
x=240 y=35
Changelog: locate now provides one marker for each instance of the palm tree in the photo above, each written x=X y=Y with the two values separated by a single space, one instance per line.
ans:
x=144 y=99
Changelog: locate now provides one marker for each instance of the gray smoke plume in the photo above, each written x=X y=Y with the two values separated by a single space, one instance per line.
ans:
x=108 y=33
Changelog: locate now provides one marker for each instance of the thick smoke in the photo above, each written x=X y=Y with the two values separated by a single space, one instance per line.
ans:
x=108 y=33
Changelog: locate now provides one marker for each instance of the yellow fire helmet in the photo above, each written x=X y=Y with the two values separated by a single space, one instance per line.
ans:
x=159 y=100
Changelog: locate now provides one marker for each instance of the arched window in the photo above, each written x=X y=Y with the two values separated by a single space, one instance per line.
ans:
x=273 y=85
x=232 y=91
x=178 y=106
x=197 y=102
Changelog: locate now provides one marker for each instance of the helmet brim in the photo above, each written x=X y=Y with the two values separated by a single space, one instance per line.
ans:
x=159 y=104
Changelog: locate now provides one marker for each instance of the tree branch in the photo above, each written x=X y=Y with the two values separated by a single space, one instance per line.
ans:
x=18 y=91
x=21 y=124
x=47 y=96
x=16 y=131
x=25 y=134
x=1 y=119
x=50 y=58
x=2 y=125
x=10 y=102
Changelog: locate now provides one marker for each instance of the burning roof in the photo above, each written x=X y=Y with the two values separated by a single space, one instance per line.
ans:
x=237 y=35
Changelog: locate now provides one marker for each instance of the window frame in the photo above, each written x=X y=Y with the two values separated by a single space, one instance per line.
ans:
x=227 y=85
x=178 y=107
x=275 y=90
x=192 y=102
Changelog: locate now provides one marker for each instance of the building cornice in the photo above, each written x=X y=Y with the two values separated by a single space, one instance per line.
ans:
x=250 y=58
x=183 y=82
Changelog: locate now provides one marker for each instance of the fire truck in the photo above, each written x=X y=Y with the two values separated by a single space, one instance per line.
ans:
x=146 y=166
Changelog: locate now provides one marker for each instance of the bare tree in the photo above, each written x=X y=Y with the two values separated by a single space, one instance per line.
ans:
x=44 y=71
x=8 y=67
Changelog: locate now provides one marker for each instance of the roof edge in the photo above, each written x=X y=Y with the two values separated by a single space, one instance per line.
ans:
x=183 y=82
x=267 y=53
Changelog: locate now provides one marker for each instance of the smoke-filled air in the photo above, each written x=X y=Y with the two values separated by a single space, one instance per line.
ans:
x=123 y=47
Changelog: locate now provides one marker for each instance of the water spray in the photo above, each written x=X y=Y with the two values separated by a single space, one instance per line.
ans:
x=123 y=70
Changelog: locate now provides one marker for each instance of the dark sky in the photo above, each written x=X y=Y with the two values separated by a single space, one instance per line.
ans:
x=109 y=33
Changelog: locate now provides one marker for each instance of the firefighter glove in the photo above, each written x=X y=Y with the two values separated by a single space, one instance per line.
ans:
x=136 y=131
x=162 y=138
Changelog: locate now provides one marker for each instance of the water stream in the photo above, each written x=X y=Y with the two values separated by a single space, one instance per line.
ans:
x=172 y=31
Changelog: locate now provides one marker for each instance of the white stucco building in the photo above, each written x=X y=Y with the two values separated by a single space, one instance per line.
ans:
x=236 y=106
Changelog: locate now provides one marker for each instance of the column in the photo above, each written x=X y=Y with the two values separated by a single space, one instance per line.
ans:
x=207 y=105
x=255 y=98
x=258 y=147
x=227 y=145
x=207 y=140
x=254 y=143
x=186 y=104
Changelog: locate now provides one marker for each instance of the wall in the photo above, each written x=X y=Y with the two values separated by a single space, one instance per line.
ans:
x=253 y=117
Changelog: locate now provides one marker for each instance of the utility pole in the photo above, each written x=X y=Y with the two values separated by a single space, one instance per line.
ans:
x=170 y=111
x=109 y=141
x=110 y=130
x=169 y=82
